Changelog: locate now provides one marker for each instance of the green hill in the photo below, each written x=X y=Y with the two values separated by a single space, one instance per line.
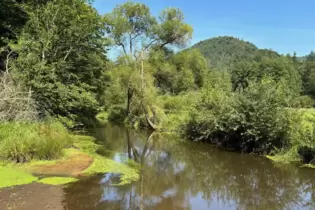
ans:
x=222 y=52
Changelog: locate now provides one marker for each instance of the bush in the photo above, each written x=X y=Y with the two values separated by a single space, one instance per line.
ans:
x=117 y=114
x=251 y=121
x=22 y=142
x=307 y=154
x=300 y=136
x=212 y=116
x=303 y=102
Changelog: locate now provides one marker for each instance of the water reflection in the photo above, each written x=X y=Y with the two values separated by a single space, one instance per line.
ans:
x=182 y=175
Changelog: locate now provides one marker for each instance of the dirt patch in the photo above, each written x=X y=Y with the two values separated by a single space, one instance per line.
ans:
x=32 y=197
x=72 y=166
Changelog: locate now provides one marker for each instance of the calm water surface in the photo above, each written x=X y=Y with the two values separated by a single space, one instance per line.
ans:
x=185 y=175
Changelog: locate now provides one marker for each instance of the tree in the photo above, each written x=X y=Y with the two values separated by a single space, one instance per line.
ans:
x=12 y=19
x=132 y=27
x=243 y=73
x=61 y=58
x=267 y=64
x=308 y=74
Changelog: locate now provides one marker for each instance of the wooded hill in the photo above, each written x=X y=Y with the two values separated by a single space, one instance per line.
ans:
x=223 y=51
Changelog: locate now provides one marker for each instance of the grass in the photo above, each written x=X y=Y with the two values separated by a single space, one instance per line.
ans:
x=23 y=142
x=13 y=177
x=57 y=180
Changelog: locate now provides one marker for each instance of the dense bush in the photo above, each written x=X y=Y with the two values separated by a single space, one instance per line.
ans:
x=212 y=117
x=254 y=121
x=263 y=120
x=22 y=142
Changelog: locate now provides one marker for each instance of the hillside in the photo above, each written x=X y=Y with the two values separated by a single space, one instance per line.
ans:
x=223 y=51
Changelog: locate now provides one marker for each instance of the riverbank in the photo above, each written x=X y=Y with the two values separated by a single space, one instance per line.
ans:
x=83 y=159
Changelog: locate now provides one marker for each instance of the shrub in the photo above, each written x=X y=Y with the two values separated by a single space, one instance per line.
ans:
x=22 y=142
x=117 y=114
x=251 y=121
x=212 y=116
x=303 y=102
x=262 y=116
x=307 y=154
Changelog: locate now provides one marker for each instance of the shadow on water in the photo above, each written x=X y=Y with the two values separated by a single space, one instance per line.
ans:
x=184 y=175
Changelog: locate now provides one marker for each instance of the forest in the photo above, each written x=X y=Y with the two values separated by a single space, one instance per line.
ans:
x=57 y=77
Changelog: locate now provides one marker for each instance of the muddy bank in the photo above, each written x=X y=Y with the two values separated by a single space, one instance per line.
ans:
x=72 y=166
x=34 y=196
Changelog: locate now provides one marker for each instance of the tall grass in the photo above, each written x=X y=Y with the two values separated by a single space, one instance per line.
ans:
x=22 y=142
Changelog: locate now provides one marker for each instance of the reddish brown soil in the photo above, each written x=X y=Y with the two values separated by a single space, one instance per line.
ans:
x=72 y=166
x=32 y=197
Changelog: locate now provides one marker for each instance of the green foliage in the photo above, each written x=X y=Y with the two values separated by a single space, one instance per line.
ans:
x=300 y=137
x=176 y=109
x=191 y=68
x=281 y=68
x=102 y=117
x=132 y=27
x=140 y=35
x=223 y=52
x=308 y=74
x=212 y=112
x=12 y=19
x=303 y=102
x=253 y=121
x=243 y=73
x=278 y=68
x=63 y=64
x=22 y=142
x=263 y=120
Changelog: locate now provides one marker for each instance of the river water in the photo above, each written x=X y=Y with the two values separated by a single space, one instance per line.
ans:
x=178 y=174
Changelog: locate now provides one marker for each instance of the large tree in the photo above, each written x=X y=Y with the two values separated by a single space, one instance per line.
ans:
x=61 y=57
x=132 y=27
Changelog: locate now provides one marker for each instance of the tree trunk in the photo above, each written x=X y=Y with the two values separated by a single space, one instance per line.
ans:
x=151 y=124
x=129 y=99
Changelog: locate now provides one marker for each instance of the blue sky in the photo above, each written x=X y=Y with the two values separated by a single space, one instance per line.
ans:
x=282 y=25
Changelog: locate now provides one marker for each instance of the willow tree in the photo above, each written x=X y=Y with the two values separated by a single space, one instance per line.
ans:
x=133 y=29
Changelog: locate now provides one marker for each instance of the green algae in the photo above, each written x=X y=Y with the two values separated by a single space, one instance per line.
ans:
x=57 y=180
x=105 y=165
x=102 y=164
x=12 y=177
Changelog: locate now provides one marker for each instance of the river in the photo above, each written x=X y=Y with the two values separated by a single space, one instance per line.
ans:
x=178 y=174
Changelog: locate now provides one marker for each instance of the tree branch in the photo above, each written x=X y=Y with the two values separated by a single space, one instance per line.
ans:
x=147 y=47
x=7 y=62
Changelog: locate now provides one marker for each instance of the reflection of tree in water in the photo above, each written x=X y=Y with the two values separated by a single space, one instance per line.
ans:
x=158 y=184
x=172 y=173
